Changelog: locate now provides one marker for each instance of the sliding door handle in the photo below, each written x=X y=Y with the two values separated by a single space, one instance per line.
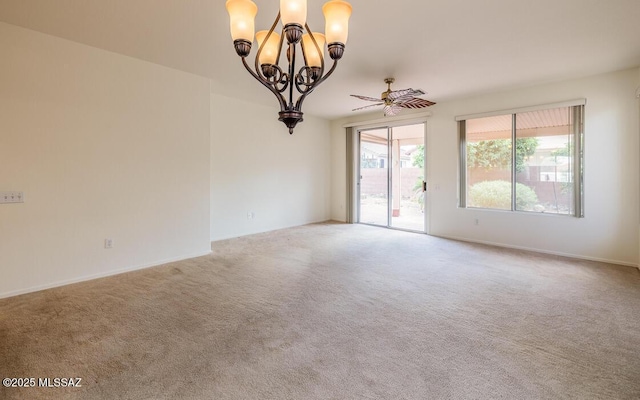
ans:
x=424 y=186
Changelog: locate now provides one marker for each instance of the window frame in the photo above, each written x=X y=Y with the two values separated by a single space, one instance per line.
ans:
x=577 y=114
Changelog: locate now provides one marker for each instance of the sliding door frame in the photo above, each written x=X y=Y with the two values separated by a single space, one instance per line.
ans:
x=354 y=171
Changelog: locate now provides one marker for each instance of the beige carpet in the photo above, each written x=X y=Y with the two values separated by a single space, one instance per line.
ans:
x=335 y=311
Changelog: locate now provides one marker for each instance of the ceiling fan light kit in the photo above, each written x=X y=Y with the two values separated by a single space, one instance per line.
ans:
x=293 y=14
x=395 y=100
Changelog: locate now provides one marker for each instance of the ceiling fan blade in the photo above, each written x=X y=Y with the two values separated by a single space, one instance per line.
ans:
x=365 y=98
x=415 y=102
x=397 y=94
x=369 y=106
x=391 y=110
x=395 y=100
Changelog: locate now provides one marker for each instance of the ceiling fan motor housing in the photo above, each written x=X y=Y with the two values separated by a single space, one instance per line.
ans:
x=385 y=94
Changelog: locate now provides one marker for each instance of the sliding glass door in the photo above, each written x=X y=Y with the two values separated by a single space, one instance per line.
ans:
x=391 y=177
x=374 y=177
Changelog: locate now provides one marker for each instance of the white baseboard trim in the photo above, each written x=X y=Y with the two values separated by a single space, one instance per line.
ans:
x=555 y=253
x=259 y=231
x=99 y=275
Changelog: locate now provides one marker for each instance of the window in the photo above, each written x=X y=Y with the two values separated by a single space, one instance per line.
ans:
x=523 y=161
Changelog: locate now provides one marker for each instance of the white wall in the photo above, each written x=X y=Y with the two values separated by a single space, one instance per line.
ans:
x=103 y=146
x=609 y=230
x=638 y=100
x=256 y=166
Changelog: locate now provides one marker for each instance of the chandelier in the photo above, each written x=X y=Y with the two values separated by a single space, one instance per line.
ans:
x=267 y=70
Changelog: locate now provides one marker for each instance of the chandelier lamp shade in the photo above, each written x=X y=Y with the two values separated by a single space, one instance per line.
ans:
x=289 y=82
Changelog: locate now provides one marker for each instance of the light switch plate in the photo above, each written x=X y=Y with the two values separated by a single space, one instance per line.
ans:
x=11 y=197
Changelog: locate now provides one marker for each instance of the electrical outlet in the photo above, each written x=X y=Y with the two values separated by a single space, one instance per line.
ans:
x=11 y=197
x=476 y=221
x=108 y=243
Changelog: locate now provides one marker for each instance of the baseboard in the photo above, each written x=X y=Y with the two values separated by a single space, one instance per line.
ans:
x=265 y=230
x=99 y=275
x=555 y=253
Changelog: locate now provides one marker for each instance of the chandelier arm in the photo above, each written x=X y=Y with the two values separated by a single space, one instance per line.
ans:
x=273 y=27
x=283 y=82
x=311 y=74
x=320 y=51
x=302 y=81
x=333 y=68
x=280 y=81
x=315 y=85
x=305 y=80
x=265 y=84
x=278 y=77
x=264 y=43
x=283 y=78
x=291 y=78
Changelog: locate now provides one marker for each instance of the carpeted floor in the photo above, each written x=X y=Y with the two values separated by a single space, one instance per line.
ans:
x=335 y=311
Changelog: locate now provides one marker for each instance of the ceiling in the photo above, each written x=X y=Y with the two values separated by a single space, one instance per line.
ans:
x=448 y=48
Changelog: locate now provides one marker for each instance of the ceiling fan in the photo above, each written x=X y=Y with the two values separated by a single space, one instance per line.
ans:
x=396 y=100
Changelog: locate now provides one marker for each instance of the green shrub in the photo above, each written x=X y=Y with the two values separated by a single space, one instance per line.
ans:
x=497 y=194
